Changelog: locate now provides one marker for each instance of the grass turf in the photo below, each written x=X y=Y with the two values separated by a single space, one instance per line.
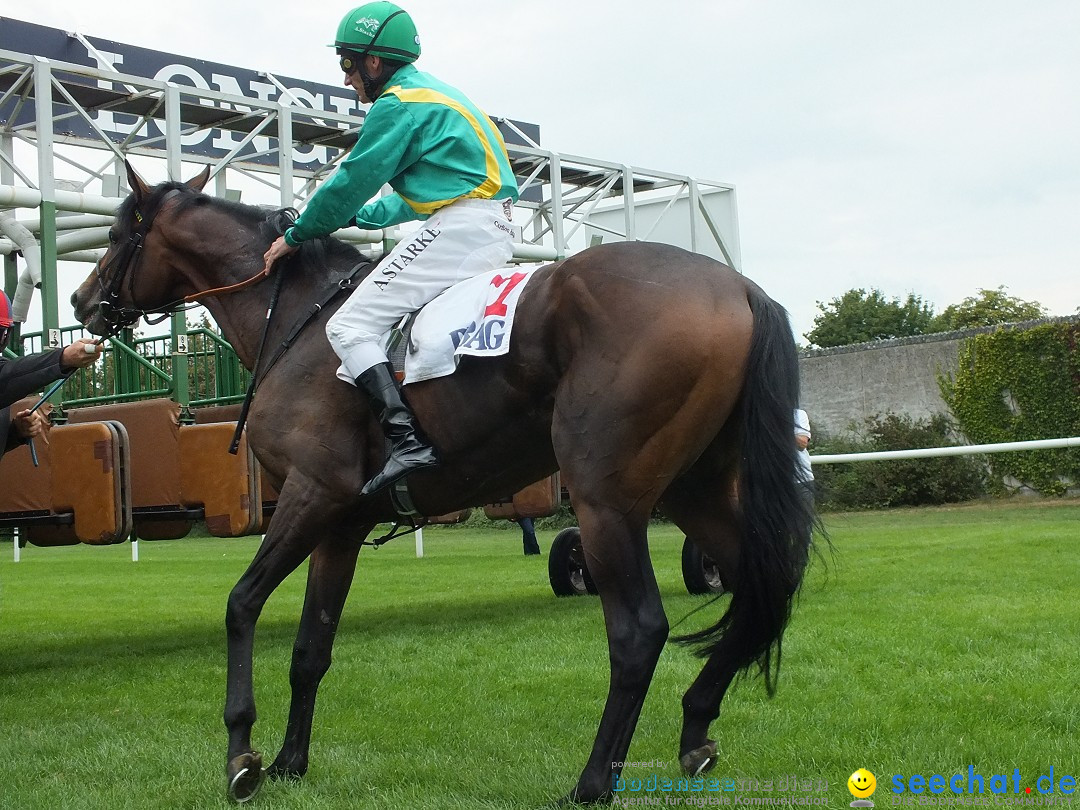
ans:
x=930 y=640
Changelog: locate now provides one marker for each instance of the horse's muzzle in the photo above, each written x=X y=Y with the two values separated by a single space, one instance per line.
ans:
x=93 y=317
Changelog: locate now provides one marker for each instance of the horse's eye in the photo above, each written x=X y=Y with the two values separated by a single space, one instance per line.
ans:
x=112 y=237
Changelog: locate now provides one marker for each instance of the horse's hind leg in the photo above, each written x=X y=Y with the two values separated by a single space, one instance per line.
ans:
x=330 y=574
x=618 y=559
x=700 y=503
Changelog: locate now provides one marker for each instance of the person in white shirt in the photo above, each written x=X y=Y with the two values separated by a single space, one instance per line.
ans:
x=804 y=473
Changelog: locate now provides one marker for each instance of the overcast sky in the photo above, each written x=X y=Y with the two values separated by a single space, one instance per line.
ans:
x=926 y=147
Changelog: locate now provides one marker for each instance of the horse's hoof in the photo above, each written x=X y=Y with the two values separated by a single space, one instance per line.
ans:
x=280 y=770
x=247 y=777
x=700 y=760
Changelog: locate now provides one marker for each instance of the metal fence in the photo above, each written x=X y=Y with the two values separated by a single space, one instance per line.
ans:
x=136 y=367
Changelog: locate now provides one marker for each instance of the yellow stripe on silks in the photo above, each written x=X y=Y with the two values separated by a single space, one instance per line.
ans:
x=492 y=183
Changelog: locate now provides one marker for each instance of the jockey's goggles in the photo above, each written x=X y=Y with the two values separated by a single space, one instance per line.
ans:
x=5 y=335
x=349 y=63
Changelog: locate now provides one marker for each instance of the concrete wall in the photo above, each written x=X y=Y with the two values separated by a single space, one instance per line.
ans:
x=847 y=384
x=850 y=383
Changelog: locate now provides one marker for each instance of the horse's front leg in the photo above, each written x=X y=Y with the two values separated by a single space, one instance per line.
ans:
x=330 y=574
x=294 y=531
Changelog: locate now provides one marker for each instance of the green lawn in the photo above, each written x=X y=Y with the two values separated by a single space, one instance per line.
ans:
x=936 y=639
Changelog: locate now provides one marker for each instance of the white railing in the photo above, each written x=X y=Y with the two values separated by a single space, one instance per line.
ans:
x=961 y=450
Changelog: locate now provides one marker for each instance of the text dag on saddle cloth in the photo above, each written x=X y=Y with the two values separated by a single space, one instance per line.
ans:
x=474 y=317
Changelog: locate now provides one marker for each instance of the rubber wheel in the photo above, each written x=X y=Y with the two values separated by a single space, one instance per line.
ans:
x=700 y=572
x=566 y=565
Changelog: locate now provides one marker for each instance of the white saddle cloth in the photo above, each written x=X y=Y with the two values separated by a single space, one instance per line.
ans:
x=474 y=318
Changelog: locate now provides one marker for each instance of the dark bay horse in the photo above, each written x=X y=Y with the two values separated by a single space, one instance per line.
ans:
x=648 y=375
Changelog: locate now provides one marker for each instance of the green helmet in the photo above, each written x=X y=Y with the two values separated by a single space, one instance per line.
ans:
x=381 y=29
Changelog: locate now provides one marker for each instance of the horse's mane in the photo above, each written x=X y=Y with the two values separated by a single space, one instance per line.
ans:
x=325 y=257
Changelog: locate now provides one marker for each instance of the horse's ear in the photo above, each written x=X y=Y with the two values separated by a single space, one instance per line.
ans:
x=136 y=183
x=199 y=181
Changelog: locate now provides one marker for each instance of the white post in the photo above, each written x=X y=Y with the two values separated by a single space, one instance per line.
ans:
x=134 y=549
x=557 y=224
x=285 y=157
x=15 y=544
x=628 y=203
x=694 y=203
x=419 y=542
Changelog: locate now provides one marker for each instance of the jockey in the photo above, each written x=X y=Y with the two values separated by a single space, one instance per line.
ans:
x=447 y=165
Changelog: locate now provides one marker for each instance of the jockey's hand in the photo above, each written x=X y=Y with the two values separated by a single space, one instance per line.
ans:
x=279 y=249
x=30 y=425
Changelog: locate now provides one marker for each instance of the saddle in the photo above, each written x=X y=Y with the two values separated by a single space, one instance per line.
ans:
x=474 y=317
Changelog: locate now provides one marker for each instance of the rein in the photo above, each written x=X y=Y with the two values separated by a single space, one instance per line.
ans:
x=345 y=283
x=230 y=288
x=241 y=420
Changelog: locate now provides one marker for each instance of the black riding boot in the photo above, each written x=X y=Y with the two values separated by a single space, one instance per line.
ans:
x=408 y=452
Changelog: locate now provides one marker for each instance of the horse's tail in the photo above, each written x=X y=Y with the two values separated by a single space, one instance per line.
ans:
x=776 y=518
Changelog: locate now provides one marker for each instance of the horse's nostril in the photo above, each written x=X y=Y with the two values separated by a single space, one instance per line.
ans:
x=74 y=300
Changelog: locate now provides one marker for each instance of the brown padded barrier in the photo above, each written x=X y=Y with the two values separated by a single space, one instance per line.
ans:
x=231 y=413
x=92 y=479
x=152 y=426
x=534 y=501
x=83 y=475
x=460 y=516
x=216 y=413
x=25 y=488
x=226 y=486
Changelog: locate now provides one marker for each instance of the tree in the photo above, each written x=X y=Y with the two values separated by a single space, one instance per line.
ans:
x=858 y=316
x=987 y=308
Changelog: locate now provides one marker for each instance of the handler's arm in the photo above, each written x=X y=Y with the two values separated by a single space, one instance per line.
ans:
x=25 y=375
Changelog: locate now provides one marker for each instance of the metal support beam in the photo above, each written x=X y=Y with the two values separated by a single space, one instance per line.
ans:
x=50 y=308
x=557 y=206
x=695 y=204
x=628 y=203
x=181 y=383
x=285 y=157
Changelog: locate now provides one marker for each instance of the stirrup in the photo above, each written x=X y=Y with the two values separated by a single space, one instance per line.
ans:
x=383 y=479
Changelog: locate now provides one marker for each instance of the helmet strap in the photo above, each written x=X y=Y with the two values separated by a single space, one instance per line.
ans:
x=372 y=85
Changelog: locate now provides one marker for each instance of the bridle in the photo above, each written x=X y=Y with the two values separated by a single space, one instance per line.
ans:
x=123 y=266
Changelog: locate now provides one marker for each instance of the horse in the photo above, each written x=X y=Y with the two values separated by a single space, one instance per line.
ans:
x=651 y=377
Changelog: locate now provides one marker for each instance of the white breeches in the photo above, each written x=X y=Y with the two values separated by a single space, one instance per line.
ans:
x=464 y=239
